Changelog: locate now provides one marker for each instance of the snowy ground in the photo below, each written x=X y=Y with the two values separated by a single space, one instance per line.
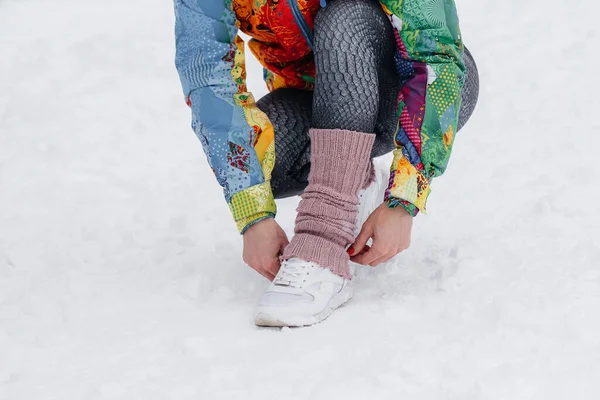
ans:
x=120 y=267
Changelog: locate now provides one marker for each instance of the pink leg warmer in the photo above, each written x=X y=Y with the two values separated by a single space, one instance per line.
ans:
x=340 y=167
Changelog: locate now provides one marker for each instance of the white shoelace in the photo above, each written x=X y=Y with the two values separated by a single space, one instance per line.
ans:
x=292 y=273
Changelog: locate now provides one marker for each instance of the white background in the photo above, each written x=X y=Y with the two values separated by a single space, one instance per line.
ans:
x=120 y=267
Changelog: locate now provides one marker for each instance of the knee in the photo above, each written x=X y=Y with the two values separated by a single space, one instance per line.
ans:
x=284 y=99
x=470 y=90
x=351 y=22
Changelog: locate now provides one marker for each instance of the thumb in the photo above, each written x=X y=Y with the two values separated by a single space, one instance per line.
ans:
x=361 y=240
x=283 y=242
x=283 y=239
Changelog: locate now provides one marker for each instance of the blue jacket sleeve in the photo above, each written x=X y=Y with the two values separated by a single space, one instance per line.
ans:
x=236 y=136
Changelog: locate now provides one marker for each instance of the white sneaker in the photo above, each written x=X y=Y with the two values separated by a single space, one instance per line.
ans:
x=303 y=293
x=371 y=197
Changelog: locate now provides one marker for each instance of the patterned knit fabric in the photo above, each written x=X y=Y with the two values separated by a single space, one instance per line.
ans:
x=357 y=84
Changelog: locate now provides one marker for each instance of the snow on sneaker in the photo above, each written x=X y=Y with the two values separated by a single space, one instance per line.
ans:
x=371 y=197
x=303 y=293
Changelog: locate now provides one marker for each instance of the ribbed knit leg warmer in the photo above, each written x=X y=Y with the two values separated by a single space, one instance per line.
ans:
x=326 y=221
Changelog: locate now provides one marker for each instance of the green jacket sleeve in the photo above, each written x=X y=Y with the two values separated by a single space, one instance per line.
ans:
x=430 y=60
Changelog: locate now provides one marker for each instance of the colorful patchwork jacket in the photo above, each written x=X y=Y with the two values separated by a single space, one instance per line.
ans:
x=238 y=138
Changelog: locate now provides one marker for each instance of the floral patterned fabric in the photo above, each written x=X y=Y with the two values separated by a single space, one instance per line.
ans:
x=430 y=60
x=238 y=138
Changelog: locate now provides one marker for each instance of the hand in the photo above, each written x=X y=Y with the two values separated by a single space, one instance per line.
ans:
x=263 y=244
x=390 y=230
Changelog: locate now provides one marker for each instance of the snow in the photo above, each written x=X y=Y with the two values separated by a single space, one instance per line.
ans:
x=120 y=267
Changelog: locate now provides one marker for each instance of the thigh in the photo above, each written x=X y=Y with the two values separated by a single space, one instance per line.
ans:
x=351 y=44
x=357 y=85
x=290 y=113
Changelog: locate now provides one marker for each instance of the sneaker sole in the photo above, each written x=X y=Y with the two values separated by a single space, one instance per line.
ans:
x=265 y=319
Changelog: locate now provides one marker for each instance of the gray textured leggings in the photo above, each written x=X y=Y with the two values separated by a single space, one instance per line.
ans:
x=356 y=89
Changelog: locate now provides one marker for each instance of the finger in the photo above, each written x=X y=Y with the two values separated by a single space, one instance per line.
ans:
x=262 y=271
x=392 y=254
x=368 y=257
x=355 y=258
x=272 y=266
x=388 y=258
x=266 y=274
x=258 y=266
x=282 y=245
x=364 y=250
x=379 y=260
x=361 y=240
